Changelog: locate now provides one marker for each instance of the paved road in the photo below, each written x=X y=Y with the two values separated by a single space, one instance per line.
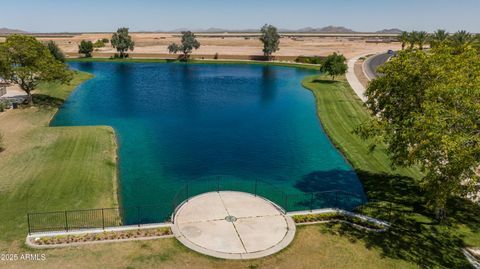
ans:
x=374 y=62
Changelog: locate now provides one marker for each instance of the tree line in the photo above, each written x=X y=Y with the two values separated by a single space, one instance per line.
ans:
x=419 y=39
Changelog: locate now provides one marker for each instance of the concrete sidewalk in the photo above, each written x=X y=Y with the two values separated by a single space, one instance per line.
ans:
x=352 y=79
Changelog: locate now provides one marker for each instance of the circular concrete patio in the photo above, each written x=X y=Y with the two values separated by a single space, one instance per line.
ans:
x=232 y=225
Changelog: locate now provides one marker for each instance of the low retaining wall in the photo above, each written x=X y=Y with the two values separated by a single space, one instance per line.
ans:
x=341 y=212
x=34 y=236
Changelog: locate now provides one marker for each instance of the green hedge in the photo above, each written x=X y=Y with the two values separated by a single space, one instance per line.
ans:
x=310 y=59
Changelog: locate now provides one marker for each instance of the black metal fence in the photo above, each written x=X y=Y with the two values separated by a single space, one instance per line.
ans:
x=113 y=217
x=100 y=218
x=286 y=202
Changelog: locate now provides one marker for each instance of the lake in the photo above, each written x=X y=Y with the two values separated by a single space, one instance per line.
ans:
x=211 y=125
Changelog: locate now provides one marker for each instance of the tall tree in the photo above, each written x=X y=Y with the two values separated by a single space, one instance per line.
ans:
x=427 y=112
x=439 y=37
x=334 y=65
x=55 y=51
x=404 y=39
x=460 y=40
x=422 y=39
x=27 y=62
x=189 y=42
x=85 y=48
x=122 y=41
x=412 y=39
x=270 y=39
x=476 y=43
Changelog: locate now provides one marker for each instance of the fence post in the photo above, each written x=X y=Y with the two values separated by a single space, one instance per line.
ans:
x=138 y=216
x=256 y=181
x=66 y=221
x=103 y=220
x=311 y=203
x=28 y=222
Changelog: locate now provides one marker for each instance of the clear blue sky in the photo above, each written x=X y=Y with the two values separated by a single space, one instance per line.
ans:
x=360 y=15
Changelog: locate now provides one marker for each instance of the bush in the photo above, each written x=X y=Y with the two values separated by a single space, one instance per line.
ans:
x=5 y=104
x=310 y=60
x=99 y=44
x=105 y=40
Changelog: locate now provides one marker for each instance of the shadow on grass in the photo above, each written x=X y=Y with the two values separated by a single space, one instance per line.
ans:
x=46 y=101
x=325 y=81
x=415 y=235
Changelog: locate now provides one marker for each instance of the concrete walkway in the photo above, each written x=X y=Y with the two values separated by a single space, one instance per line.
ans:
x=353 y=80
x=232 y=225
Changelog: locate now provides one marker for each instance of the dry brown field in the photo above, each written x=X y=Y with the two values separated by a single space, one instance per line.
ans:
x=234 y=46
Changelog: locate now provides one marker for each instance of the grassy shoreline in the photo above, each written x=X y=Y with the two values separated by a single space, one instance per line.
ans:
x=414 y=241
x=50 y=169
x=415 y=236
x=152 y=60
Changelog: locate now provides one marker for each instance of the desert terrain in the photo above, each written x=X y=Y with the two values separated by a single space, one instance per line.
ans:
x=234 y=46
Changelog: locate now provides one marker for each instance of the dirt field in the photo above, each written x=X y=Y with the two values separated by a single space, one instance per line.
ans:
x=233 y=46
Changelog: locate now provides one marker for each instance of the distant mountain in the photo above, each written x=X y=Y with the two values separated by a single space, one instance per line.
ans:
x=328 y=29
x=389 y=31
x=11 y=31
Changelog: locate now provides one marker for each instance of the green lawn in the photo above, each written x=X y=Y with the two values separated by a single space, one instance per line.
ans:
x=48 y=169
x=415 y=235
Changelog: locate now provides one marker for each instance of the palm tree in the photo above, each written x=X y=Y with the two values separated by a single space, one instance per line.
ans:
x=422 y=38
x=412 y=39
x=438 y=37
x=476 y=43
x=404 y=39
x=461 y=38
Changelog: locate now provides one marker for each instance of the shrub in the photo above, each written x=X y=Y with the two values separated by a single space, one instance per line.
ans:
x=99 y=44
x=310 y=60
x=105 y=40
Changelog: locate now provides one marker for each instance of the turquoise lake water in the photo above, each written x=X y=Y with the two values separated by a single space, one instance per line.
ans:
x=214 y=126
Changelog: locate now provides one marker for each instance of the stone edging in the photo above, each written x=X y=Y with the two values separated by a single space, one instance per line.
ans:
x=386 y=225
x=76 y=244
x=97 y=231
